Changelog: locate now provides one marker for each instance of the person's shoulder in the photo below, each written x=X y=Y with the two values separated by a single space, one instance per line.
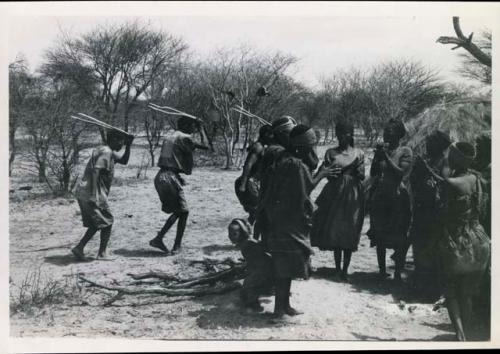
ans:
x=182 y=136
x=332 y=152
x=291 y=162
x=256 y=148
x=103 y=150
x=359 y=152
x=405 y=149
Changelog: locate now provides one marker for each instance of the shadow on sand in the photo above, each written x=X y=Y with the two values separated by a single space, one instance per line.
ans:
x=65 y=260
x=438 y=338
x=208 y=250
x=226 y=311
x=140 y=253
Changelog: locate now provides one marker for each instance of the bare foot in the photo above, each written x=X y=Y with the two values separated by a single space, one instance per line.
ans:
x=344 y=278
x=157 y=243
x=104 y=257
x=78 y=254
x=255 y=307
x=290 y=311
x=384 y=275
x=176 y=250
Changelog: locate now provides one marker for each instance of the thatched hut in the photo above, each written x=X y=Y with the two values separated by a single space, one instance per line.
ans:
x=463 y=120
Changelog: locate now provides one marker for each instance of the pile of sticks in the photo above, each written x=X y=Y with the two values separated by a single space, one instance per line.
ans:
x=169 y=285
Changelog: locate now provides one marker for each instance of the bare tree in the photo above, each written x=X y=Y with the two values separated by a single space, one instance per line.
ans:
x=19 y=90
x=38 y=126
x=462 y=41
x=118 y=62
x=476 y=60
x=232 y=78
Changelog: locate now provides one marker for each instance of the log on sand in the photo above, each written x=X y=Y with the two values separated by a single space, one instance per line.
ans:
x=200 y=291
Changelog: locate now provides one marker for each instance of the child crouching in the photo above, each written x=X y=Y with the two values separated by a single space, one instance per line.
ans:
x=259 y=264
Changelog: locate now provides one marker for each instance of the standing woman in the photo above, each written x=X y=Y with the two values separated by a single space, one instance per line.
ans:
x=339 y=218
x=390 y=211
x=427 y=200
x=463 y=248
x=288 y=210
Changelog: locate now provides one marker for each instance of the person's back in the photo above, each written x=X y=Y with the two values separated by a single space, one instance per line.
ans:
x=259 y=277
x=177 y=153
x=102 y=158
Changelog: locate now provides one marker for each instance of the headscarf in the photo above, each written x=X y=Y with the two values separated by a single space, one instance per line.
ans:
x=439 y=139
x=244 y=226
x=284 y=124
x=302 y=135
x=463 y=152
x=397 y=126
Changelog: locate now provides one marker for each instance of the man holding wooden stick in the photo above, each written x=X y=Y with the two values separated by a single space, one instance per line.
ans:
x=92 y=192
x=176 y=157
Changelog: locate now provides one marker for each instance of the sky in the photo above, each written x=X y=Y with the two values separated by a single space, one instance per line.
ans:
x=323 y=44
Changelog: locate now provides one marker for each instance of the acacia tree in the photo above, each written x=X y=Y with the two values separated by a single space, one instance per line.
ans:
x=400 y=89
x=119 y=60
x=20 y=81
x=38 y=126
x=232 y=78
x=65 y=147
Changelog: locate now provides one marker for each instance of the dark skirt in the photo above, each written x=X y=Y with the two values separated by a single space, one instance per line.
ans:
x=339 y=218
x=291 y=265
x=169 y=188
x=94 y=217
x=390 y=216
x=463 y=249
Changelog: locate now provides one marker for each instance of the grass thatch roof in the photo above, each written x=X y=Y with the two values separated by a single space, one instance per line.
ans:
x=462 y=120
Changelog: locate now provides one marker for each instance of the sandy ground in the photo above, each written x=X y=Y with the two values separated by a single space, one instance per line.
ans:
x=365 y=309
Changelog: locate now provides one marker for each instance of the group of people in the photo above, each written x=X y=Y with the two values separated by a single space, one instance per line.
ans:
x=438 y=203
x=92 y=192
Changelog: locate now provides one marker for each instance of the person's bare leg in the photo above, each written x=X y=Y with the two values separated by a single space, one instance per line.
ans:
x=455 y=317
x=381 y=261
x=465 y=303
x=337 y=255
x=345 y=266
x=289 y=310
x=105 y=236
x=78 y=250
x=400 y=262
x=157 y=242
x=181 y=227
x=280 y=298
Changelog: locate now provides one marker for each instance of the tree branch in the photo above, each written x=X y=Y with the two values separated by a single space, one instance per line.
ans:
x=466 y=43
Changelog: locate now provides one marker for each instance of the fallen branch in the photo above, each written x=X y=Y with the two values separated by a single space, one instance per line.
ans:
x=233 y=273
x=157 y=275
x=163 y=291
x=236 y=272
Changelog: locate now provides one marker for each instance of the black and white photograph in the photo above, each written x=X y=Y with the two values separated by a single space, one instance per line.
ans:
x=307 y=174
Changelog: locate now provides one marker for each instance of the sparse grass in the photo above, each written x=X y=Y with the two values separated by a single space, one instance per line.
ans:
x=38 y=290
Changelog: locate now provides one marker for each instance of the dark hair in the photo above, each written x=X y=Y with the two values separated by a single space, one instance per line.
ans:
x=440 y=139
x=345 y=128
x=185 y=123
x=298 y=130
x=265 y=130
x=279 y=121
x=113 y=135
x=397 y=126
x=466 y=149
